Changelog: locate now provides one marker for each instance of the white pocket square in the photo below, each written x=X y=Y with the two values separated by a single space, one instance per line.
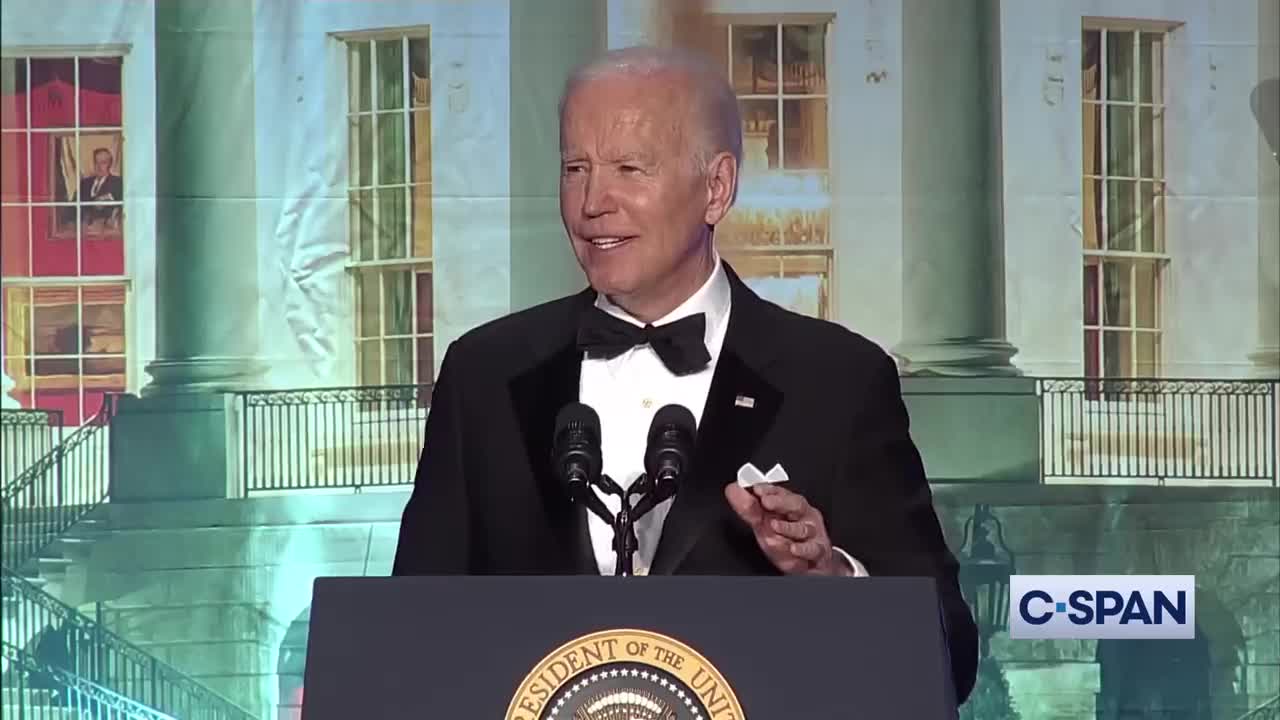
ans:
x=749 y=475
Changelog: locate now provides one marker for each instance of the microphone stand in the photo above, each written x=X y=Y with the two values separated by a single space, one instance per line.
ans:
x=625 y=542
x=582 y=492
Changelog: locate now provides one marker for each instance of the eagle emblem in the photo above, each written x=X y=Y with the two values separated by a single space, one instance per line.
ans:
x=624 y=705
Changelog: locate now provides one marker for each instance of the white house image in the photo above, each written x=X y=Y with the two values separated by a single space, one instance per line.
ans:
x=238 y=237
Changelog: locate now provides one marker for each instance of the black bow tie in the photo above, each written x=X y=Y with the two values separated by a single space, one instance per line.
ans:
x=678 y=344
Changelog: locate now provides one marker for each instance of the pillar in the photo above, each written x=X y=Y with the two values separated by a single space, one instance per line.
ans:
x=549 y=39
x=1266 y=356
x=173 y=442
x=662 y=23
x=953 y=320
x=637 y=22
x=972 y=417
x=206 y=227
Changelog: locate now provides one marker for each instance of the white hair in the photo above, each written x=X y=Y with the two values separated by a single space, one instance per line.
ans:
x=715 y=106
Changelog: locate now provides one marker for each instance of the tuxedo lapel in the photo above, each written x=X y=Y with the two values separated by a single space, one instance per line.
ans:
x=741 y=406
x=537 y=396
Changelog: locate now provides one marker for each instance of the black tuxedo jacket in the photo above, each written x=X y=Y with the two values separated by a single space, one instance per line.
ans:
x=827 y=407
x=113 y=185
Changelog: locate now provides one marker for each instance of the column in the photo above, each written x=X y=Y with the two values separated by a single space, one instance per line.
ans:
x=173 y=443
x=953 y=320
x=638 y=22
x=972 y=417
x=549 y=39
x=660 y=23
x=206 y=244
x=1266 y=356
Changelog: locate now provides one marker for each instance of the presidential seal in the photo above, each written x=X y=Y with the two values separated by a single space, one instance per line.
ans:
x=624 y=675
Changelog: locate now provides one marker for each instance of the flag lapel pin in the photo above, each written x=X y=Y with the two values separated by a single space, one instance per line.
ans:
x=744 y=401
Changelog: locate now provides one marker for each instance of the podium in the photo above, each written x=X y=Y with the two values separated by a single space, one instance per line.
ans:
x=599 y=648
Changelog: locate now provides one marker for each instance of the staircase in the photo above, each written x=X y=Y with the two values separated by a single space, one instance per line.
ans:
x=99 y=656
x=1269 y=710
x=55 y=493
x=49 y=693
x=45 y=528
x=25 y=437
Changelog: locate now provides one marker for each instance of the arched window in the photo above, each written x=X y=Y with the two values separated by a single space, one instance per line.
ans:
x=290 y=666
x=1154 y=679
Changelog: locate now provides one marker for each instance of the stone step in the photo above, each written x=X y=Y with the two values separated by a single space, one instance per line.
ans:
x=58 y=528
x=41 y=712
x=33 y=703
x=53 y=565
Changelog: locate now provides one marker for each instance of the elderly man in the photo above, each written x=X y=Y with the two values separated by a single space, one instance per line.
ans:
x=650 y=149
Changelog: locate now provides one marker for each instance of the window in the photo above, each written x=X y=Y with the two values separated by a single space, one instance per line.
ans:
x=778 y=236
x=1123 y=200
x=62 y=231
x=389 y=191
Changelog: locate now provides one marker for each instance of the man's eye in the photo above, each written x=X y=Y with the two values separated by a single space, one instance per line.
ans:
x=572 y=169
x=629 y=169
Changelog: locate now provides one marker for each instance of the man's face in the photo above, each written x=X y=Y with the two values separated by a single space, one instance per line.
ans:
x=102 y=164
x=634 y=207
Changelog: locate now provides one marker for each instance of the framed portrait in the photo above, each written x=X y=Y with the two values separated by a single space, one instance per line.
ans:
x=88 y=174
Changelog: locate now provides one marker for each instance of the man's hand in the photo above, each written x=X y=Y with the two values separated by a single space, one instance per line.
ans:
x=789 y=530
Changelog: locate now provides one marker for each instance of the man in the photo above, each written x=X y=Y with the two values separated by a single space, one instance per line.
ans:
x=651 y=144
x=101 y=186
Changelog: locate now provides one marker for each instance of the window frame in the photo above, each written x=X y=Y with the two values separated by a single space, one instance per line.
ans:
x=1104 y=258
x=376 y=269
x=31 y=283
x=747 y=256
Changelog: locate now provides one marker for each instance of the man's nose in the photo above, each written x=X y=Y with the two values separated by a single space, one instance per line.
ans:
x=598 y=198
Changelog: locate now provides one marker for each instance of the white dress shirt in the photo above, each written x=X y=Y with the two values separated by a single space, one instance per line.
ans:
x=627 y=390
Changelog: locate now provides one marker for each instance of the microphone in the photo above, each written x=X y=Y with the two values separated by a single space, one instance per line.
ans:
x=576 y=457
x=576 y=447
x=669 y=455
x=670 y=451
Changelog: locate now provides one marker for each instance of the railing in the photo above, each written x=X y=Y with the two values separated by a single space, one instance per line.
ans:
x=89 y=650
x=1093 y=430
x=57 y=491
x=49 y=692
x=1269 y=710
x=25 y=437
x=1161 y=431
x=330 y=438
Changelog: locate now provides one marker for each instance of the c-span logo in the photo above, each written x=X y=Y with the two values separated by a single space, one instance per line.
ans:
x=1102 y=607
x=632 y=674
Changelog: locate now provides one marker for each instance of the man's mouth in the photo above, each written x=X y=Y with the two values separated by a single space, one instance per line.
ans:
x=608 y=243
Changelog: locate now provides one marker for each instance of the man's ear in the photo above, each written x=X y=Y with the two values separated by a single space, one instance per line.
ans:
x=722 y=182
